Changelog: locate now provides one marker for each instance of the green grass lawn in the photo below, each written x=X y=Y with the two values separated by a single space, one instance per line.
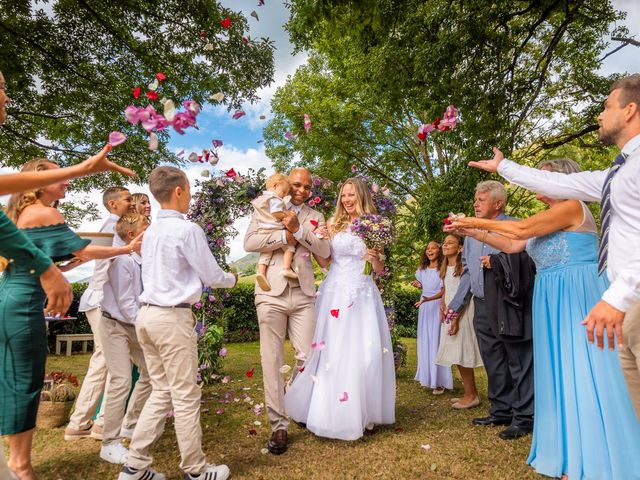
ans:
x=458 y=449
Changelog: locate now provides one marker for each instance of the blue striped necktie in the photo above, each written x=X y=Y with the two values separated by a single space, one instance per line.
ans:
x=605 y=212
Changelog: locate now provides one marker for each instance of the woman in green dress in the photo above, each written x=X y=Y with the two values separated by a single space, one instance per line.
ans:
x=23 y=341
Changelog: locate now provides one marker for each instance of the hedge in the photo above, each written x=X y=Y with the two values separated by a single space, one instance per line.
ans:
x=239 y=314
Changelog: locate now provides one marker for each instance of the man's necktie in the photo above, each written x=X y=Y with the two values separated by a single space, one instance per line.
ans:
x=605 y=212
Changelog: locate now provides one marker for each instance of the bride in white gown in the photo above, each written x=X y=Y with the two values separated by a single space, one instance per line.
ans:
x=347 y=383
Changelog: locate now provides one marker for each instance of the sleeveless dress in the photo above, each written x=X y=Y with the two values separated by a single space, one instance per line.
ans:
x=429 y=337
x=348 y=381
x=461 y=348
x=23 y=337
x=585 y=425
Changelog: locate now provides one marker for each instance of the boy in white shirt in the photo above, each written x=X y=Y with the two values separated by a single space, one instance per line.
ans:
x=117 y=201
x=176 y=263
x=120 y=305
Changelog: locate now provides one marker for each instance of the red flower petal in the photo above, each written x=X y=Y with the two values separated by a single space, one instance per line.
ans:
x=422 y=136
x=231 y=173
x=447 y=221
x=203 y=34
x=249 y=373
x=313 y=222
x=225 y=22
x=136 y=92
x=151 y=95
x=161 y=76
x=335 y=313
x=245 y=40
x=253 y=431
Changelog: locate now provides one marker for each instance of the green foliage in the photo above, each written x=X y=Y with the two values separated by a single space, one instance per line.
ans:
x=209 y=359
x=71 y=72
x=239 y=314
x=402 y=299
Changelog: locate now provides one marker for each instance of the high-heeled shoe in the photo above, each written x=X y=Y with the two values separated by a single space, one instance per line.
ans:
x=461 y=406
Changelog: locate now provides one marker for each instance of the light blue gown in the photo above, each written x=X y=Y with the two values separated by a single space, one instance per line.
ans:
x=585 y=425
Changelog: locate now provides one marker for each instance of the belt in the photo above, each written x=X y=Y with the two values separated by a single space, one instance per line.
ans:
x=180 y=305
x=108 y=315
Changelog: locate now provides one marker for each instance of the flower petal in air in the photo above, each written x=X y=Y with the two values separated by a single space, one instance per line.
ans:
x=193 y=157
x=116 y=138
x=237 y=114
x=334 y=313
x=218 y=97
x=161 y=76
x=217 y=143
x=208 y=46
x=254 y=14
x=225 y=22
x=205 y=173
x=318 y=345
x=307 y=123
x=231 y=173
x=249 y=373
x=136 y=92
x=169 y=110
x=154 y=85
x=180 y=153
x=284 y=369
x=344 y=397
x=354 y=169
x=262 y=117
x=214 y=159
x=245 y=40
x=223 y=352
x=288 y=135
x=301 y=356
x=151 y=95
x=153 y=141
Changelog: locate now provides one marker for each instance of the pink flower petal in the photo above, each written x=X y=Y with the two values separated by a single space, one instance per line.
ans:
x=307 y=123
x=318 y=345
x=153 y=141
x=344 y=397
x=116 y=138
x=301 y=356
x=237 y=114
x=217 y=143
x=223 y=352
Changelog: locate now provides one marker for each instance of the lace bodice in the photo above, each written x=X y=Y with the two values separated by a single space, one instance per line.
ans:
x=347 y=252
x=562 y=248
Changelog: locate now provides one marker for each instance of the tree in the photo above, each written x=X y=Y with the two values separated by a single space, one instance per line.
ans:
x=522 y=74
x=71 y=71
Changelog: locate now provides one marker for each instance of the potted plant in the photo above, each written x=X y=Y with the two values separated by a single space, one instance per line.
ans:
x=56 y=399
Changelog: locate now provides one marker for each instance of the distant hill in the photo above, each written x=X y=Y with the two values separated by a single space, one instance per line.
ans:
x=247 y=264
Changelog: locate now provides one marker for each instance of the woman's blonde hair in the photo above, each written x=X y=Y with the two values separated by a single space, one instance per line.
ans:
x=19 y=201
x=365 y=204
x=136 y=198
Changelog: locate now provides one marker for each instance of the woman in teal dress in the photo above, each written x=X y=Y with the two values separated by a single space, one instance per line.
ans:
x=585 y=426
x=23 y=342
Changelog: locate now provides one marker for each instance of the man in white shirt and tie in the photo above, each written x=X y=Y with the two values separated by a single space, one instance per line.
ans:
x=618 y=191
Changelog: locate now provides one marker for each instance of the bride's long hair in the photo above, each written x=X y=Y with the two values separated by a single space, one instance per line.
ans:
x=341 y=219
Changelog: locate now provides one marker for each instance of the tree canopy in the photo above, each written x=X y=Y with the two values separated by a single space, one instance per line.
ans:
x=71 y=67
x=523 y=75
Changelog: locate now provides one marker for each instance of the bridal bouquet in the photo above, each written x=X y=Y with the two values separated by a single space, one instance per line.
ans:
x=376 y=231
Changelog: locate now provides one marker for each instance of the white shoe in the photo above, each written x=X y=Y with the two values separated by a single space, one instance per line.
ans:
x=114 y=453
x=212 y=472
x=126 y=433
x=128 y=473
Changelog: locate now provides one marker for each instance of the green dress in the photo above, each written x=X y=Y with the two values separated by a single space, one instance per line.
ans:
x=23 y=338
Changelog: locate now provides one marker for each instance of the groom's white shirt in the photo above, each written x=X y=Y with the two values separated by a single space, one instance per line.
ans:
x=623 y=260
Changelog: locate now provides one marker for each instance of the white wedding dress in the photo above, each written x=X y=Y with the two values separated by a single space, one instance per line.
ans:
x=348 y=381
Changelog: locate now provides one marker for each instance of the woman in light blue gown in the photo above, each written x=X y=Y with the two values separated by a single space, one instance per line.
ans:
x=585 y=426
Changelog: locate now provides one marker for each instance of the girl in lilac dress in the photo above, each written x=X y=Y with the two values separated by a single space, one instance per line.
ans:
x=428 y=279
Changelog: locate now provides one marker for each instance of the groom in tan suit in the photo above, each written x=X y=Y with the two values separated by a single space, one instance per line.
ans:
x=289 y=306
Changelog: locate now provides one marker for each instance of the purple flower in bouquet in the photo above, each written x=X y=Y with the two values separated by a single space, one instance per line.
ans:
x=376 y=231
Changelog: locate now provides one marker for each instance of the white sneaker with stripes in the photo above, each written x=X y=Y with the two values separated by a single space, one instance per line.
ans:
x=212 y=472
x=128 y=473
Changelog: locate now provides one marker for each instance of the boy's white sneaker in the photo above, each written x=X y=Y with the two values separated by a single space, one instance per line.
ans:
x=114 y=453
x=128 y=473
x=212 y=472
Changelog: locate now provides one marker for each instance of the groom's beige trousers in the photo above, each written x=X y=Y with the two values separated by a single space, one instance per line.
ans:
x=630 y=355
x=291 y=312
